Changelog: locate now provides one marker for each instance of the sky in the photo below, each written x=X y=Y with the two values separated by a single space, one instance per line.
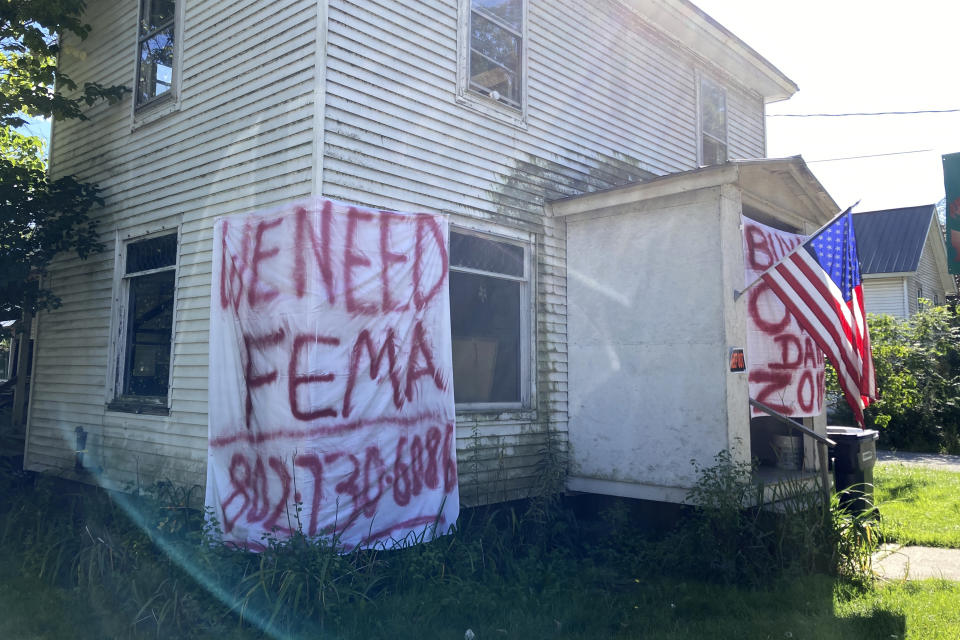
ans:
x=36 y=127
x=853 y=56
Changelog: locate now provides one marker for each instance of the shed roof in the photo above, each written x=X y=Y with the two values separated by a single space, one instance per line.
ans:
x=891 y=240
x=784 y=186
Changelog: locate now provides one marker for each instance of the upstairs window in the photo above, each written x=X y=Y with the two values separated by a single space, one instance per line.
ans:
x=496 y=50
x=489 y=311
x=155 y=50
x=492 y=59
x=712 y=123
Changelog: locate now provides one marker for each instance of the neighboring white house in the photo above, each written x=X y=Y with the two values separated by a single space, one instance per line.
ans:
x=484 y=110
x=903 y=260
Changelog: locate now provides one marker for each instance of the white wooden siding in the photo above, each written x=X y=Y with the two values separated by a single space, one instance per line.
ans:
x=609 y=101
x=927 y=275
x=241 y=140
x=884 y=295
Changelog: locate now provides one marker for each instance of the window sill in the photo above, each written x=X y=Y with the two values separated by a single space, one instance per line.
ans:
x=138 y=406
x=492 y=109
x=154 y=110
x=466 y=414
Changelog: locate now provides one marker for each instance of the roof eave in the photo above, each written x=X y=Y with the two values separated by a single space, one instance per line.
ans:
x=782 y=186
x=716 y=45
x=795 y=177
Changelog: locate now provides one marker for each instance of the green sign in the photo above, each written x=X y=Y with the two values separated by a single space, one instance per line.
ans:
x=951 y=183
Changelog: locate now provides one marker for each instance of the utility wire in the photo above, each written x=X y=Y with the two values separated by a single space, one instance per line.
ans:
x=864 y=113
x=874 y=155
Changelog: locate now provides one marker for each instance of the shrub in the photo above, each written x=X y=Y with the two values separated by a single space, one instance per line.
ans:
x=918 y=380
x=741 y=532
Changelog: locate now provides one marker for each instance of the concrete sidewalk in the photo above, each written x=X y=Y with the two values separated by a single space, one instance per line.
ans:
x=894 y=562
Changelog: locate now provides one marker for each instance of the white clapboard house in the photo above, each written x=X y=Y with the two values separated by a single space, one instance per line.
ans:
x=593 y=146
x=903 y=260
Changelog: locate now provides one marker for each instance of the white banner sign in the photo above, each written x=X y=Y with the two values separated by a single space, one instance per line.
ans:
x=785 y=367
x=331 y=394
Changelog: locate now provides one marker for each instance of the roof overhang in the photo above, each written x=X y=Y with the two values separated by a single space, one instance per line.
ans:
x=783 y=187
x=693 y=29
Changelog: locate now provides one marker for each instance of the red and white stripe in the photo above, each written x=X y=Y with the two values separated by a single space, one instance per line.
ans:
x=837 y=327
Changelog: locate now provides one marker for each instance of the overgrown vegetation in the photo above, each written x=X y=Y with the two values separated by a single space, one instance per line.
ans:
x=921 y=506
x=131 y=566
x=748 y=533
x=918 y=377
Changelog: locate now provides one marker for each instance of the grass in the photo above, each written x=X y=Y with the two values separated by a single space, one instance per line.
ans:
x=78 y=565
x=580 y=608
x=919 y=505
x=34 y=609
x=927 y=610
x=813 y=607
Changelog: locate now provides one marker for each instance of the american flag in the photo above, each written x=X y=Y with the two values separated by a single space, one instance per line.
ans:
x=820 y=284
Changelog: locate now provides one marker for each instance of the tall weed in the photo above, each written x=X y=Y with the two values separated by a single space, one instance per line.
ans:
x=745 y=533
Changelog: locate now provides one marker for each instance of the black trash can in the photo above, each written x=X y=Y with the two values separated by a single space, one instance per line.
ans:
x=854 y=457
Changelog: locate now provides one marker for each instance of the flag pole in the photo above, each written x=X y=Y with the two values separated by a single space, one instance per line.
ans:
x=739 y=292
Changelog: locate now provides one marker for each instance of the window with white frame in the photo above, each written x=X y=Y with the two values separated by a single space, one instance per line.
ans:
x=147 y=296
x=712 y=121
x=489 y=318
x=156 y=50
x=493 y=56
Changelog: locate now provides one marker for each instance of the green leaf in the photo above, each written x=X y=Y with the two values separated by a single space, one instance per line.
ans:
x=40 y=218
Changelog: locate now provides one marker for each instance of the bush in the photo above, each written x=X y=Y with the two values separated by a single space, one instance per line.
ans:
x=742 y=532
x=918 y=380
